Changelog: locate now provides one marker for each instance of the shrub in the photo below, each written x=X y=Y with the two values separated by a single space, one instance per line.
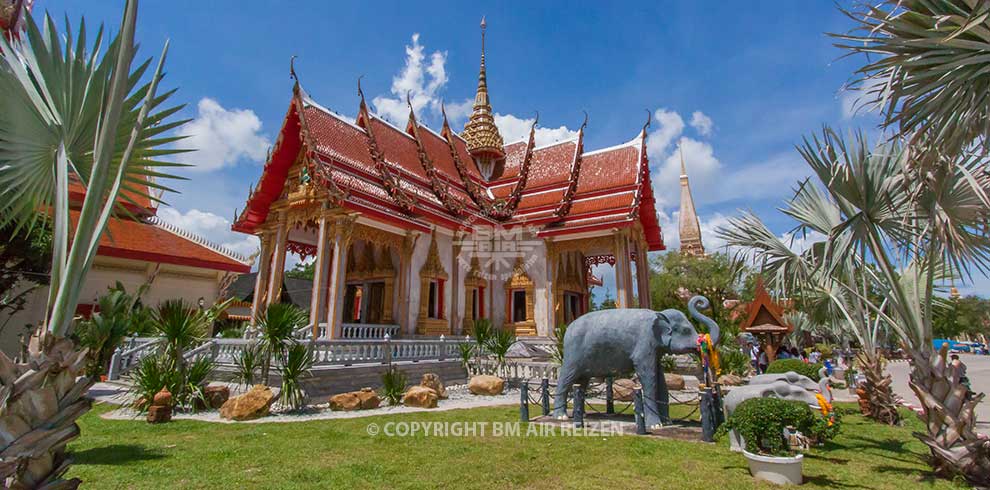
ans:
x=193 y=381
x=761 y=423
x=796 y=365
x=466 y=352
x=393 y=385
x=482 y=332
x=294 y=369
x=733 y=360
x=153 y=373
x=668 y=362
x=499 y=342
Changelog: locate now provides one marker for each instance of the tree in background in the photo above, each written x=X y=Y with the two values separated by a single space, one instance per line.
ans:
x=25 y=261
x=969 y=315
x=677 y=276
x=302 y=271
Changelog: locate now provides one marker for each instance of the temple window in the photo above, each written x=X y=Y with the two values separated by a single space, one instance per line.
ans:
x=474 y=296
x=432 y=317
x=572 y=306
x=520 y=296
x=434 y=300
x=519 y=305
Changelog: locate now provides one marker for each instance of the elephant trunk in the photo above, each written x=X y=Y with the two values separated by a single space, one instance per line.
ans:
x=702 y=302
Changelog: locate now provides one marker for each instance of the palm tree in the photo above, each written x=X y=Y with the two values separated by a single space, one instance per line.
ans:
x=927 y=68
x=275 y=328
x=831 y=291
x=68 y=112
x=908 y=235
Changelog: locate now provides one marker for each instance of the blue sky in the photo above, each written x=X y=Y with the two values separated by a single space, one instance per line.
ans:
x=735 y=88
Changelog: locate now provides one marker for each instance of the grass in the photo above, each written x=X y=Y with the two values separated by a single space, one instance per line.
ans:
x=340 y=454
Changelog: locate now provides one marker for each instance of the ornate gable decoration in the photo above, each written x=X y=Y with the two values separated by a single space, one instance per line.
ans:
x=440 y=188
x=393 y=186
x=474 y=275
x=433 y=267
x=567 y=200
x=764 y=314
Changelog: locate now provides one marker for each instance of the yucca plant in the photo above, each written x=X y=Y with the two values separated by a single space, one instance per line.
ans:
x=275 y=327
x=247 y=364
x=558 y=343
x=466 y=352
x=293 y=370
x=69 y=111
x=902 y=237
x=153 y=373
x=182 y=326
x=498 y=344
x=393 y=385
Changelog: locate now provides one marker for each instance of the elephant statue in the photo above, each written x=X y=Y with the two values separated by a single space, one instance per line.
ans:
x=790 y=377
x=776 y=389
x=617 y=342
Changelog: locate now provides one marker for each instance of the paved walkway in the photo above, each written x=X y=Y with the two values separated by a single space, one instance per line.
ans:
x=978 y=370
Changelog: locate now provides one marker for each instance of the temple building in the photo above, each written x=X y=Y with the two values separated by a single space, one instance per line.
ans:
x=428 y=231
x=689 y=228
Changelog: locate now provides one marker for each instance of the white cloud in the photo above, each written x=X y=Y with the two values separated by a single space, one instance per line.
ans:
x=860 y=100
x=515 y=129
x=221 y=137
x=211 y=227
x=422 y=79
x=702 y=123
x=670 y=126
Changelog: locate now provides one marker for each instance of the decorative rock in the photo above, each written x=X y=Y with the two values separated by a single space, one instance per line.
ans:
x=674 y=382
x=163 y=398
x=159 y=414
x=623 y=388
x=433 y=382
x=216 y=396
x=251 y=405
x=365 y=399
x=421 y=397
x=730 y=380
x=486 y=385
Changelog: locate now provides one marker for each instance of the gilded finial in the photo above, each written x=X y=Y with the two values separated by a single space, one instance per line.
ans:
x=484 y=141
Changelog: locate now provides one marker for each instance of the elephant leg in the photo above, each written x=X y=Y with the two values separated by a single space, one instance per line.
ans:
x=647 y=371
x=663 y=397
x=566 y=378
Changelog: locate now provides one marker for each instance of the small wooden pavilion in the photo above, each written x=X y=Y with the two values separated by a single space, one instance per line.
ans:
x=765 y=320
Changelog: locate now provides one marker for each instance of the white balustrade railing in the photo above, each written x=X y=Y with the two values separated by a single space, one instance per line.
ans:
x=516 y=371
x=367 y=331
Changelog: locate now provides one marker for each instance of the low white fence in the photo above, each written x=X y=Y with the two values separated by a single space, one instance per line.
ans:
x=325 y=352
x=516 y=370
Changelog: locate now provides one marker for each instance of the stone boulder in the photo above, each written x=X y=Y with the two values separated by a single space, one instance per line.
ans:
x=623 y=389
x=675 y=382
x=159 y=414
x=251 y=405
x=420 y=397
x=216 y=396
x=730 y=380
x=433 y=382
x=486 y=385
x=365 y=399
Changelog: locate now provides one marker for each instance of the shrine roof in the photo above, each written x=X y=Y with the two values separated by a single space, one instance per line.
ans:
x=153 y=240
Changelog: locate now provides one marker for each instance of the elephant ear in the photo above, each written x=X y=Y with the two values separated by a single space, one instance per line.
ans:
x=661 y=327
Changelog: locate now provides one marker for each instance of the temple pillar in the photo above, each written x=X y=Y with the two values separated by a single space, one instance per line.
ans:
x=456 y=291
x=261 y=280
x=321 y=269
x=341 y=238
x=623 y=271
x=278 y=260
x=405 y=271
x=643 y=274
x=553 y=306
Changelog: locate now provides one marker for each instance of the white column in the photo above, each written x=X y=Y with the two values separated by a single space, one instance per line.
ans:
x=337 y=276
x=317 y=301
x=643 y=274
x=278 y=261
x=261 y=280
x=623 y=272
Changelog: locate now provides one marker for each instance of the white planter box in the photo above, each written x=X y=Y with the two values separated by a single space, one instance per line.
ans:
x=782 y=471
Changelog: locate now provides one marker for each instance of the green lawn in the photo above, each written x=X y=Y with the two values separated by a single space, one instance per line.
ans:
x=340 y=454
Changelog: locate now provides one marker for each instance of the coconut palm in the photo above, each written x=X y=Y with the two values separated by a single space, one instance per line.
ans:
x=275 y=328
x=68 y=113
x=905 y=236
x=927 y=67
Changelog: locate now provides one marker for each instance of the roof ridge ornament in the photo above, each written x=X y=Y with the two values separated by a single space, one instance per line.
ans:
x=484 y=141
x=649 y=118
x=564 y=208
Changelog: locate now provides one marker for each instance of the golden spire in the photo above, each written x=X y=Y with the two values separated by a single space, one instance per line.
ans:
x=690 y=229
x=484 y=142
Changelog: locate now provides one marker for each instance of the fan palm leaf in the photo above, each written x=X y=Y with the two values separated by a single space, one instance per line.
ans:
x=928 y=67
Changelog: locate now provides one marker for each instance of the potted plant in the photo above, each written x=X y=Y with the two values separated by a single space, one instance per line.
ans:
x=767 y=427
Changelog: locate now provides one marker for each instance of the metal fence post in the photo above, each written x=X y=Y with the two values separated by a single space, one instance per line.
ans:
x=545 y=395
x=640 y=416
x=707 y=416
x=524 y=402
x=609 y=396
x=579 y=406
